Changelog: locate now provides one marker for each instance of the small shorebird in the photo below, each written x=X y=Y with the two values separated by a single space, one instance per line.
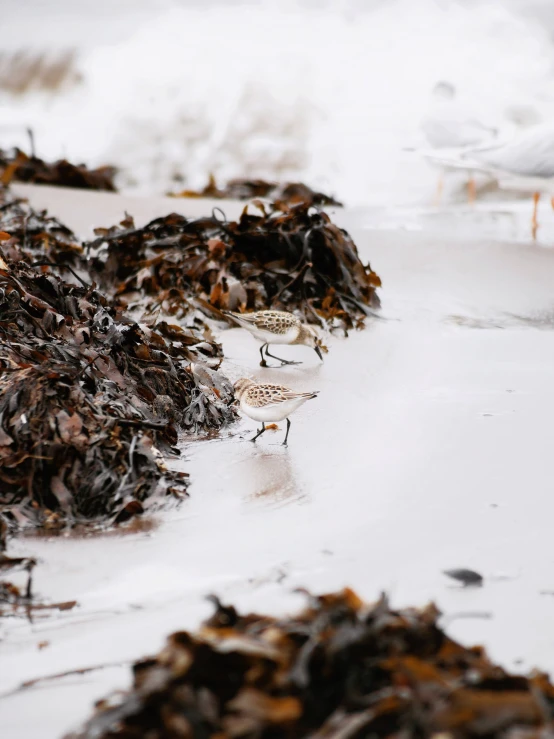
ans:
x=277 y=327
x=268 y=403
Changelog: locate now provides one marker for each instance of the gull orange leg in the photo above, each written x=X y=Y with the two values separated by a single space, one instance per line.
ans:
x=534 y=222
x=552 y=203
x=471 y=190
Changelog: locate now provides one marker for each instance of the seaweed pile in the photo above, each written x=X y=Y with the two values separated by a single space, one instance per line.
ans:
x=87 y=395
x=340 y=668
x=290 y=193
x=292 y=258
x=16 y=166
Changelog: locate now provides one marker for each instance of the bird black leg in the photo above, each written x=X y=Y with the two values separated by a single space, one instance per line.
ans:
x=260 y=432
x=283 y=361
x=28 y=591
x=263 y=363
x=287 y=434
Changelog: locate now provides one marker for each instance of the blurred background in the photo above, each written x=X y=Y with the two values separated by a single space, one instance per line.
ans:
x=327 y=92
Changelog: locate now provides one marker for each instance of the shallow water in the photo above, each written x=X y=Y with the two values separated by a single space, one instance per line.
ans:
x=429 y=447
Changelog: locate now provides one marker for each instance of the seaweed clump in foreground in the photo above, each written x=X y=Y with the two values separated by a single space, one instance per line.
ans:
x=291 y=193
x=284 y=258
x=16 y=166
x=88 y=396
x=340 y=668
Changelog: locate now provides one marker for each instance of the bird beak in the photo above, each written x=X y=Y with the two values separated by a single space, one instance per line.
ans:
x=318 y=352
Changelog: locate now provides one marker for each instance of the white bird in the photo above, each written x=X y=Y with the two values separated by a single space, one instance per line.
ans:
x=525 y=162
x=449 y=126
x=268 y=403
x=277 y=327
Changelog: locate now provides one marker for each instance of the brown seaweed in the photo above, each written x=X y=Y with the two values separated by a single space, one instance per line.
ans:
x=284 y=258
x=338 y=669
x=241 y=188
x=87 y=395
x=17 y=166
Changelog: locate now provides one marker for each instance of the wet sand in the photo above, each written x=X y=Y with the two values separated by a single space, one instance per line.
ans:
x=428 y=448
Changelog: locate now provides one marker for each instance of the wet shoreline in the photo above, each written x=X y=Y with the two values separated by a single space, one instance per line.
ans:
x=427 y=449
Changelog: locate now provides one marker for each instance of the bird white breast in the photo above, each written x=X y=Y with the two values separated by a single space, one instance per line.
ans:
x=273 y=412
x=267 y=337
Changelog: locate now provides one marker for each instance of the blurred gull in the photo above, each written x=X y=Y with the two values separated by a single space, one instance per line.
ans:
x=526 y=162
x=448 y=127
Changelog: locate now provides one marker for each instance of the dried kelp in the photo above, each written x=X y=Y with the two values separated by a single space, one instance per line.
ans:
x=66 y=457
x=16 y=166
x=291 y=258
x=36 y=235
x=87 y=395
x=339 y=668
x=290 y=193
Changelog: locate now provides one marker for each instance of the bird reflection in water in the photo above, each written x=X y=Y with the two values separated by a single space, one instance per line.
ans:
x=269 y=477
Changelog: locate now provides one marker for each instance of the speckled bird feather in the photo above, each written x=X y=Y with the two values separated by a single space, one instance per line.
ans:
x=259 y=396
x=273 y=321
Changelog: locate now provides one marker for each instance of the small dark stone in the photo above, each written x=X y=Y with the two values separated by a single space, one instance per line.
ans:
x=466 y=577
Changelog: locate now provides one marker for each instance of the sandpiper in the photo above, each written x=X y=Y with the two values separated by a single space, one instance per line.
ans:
x=268 y=403
x=277 y=327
